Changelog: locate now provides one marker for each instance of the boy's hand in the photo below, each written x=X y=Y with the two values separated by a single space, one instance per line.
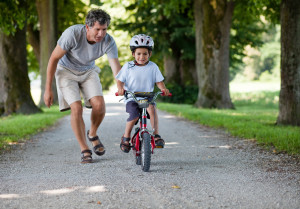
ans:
x=121 y=92
x=166 y=92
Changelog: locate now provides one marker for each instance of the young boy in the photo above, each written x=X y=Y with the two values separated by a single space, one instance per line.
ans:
x=140 y=75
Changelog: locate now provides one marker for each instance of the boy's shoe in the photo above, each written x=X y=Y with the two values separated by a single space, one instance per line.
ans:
x=124 y=146
x=159 y=142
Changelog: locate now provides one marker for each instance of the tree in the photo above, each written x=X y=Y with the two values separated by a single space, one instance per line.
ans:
x=289 y=100
x=213 y=22
x=14 y=81
x=48 y=37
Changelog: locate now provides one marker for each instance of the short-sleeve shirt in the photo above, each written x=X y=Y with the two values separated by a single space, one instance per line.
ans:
x=139 y=78
x=80 y=54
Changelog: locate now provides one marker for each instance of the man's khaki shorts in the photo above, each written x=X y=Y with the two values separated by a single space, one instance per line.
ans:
x=70 y=83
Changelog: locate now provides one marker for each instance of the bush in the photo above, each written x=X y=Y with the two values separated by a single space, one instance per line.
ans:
x=106 y=77
x=181 y=94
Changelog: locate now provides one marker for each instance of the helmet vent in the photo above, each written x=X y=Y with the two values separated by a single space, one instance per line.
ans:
x=136 y=42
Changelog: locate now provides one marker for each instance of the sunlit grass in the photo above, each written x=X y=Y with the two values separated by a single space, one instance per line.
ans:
x=254 y=118
x=17 y=128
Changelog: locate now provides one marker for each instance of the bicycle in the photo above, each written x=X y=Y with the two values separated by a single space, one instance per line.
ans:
x=142 y=142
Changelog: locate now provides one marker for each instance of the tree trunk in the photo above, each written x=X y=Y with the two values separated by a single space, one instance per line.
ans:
x=14 y=81
x=169 y=68
x=289 y=100
x=181 y=72
x=213 y=23
x=34 y=41
x=48 y=30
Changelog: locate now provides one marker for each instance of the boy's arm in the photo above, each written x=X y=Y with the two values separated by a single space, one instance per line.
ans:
x=161 y=85
x=120 y=86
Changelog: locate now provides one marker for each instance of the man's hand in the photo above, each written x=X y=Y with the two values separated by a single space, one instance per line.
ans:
x=48 y=98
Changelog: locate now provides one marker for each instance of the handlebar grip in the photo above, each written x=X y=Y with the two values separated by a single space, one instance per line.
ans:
x=117 y=94
x=170 y=94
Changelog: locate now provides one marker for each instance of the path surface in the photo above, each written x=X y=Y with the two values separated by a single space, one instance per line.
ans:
x=199 y=168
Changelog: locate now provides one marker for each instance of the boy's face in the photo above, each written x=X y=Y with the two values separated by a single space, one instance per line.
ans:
x=141 y=55
x=96 y=33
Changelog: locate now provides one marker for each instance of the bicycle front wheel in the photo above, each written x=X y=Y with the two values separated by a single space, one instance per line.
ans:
x=145 y=151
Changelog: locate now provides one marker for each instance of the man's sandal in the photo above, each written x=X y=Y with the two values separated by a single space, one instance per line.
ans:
x=97 y=147
x=125 y=147
x=159 y=142
x=86 y=158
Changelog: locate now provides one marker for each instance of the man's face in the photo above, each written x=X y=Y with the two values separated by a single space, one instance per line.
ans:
x=96 y=33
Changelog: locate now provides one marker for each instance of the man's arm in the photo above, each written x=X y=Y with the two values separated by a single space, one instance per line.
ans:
x=57 y=53
x=114 y=65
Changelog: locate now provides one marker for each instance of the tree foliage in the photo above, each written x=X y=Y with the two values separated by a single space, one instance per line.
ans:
x=15 y=14
x=169 y=23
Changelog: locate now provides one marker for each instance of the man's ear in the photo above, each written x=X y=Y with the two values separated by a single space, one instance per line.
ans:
x=150 y=53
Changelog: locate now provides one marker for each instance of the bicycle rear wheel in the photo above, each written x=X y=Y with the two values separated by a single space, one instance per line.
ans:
x=145 y=151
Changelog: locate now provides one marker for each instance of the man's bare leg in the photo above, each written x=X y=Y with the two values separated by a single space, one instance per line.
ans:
x=97 y=116
x=78 y=125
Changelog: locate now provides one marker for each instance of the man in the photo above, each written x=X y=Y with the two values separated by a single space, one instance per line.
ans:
x=73 y=63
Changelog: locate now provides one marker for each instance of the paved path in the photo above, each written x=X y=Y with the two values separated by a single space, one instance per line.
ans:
x=199 y=168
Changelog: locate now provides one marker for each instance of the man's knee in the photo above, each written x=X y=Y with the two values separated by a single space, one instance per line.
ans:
x=76 y=108
x=98 y=105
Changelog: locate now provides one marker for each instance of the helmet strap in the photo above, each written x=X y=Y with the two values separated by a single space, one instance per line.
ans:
x=137 y=64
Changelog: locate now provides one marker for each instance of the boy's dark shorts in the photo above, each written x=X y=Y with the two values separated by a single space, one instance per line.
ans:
x=133 y=109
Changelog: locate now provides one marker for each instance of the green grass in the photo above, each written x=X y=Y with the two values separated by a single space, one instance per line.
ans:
x=17 y=128
x=254 y=118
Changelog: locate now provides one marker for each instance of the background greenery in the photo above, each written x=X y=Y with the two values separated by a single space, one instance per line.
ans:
x=254 y=118
x=17 y=128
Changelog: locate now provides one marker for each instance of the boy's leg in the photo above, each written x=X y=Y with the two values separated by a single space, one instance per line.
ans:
x=159 y=142
x=153 y=118
x=129 y=126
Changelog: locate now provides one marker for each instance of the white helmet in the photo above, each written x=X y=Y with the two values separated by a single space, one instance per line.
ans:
x=141 y=41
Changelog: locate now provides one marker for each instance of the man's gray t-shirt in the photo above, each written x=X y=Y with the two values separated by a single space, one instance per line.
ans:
x=139 y=78
x=80 y=54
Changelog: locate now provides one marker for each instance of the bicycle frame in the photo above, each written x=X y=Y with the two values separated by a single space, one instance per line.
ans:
x=136 y=139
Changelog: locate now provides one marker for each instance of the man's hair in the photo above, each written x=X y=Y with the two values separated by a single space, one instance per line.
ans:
x=97 y=15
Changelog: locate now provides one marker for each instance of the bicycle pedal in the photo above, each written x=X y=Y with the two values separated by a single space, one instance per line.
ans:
x=160 y=147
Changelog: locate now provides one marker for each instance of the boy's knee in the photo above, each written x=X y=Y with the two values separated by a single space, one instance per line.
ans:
x=133 y=120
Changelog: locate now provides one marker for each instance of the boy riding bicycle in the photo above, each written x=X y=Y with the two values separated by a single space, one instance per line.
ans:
x=140 y=75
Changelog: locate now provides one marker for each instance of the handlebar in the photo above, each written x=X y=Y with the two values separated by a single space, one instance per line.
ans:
x=143 y=94
x=161 y=93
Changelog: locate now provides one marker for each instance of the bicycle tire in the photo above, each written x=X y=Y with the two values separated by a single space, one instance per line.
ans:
x=138 y=160
x=145 y=151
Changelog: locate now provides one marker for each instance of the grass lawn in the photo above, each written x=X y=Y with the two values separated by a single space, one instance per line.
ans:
x=17 y=128
x=254 y=118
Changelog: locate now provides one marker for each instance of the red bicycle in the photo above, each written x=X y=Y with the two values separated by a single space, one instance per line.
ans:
x=142 y=141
